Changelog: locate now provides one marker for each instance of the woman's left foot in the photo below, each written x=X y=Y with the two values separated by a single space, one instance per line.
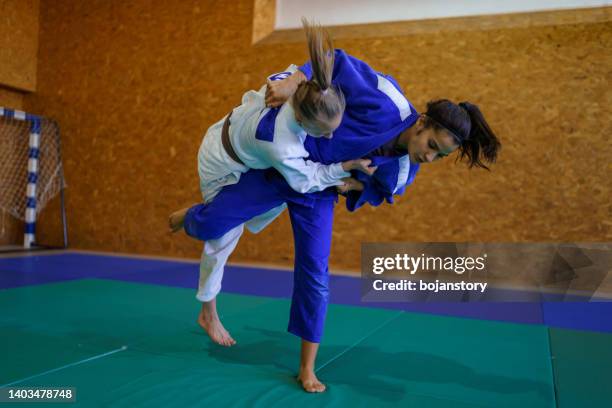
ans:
x=176 y=220
x=309 y=381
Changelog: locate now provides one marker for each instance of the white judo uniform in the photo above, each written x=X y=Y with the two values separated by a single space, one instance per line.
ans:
x=285 y=152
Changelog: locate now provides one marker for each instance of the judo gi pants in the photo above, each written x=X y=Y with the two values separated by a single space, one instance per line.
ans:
x=220 y=224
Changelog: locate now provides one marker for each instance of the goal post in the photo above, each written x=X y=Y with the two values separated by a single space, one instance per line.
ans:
x=31 y=171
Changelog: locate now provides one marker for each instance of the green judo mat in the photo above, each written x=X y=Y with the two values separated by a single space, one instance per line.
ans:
x=126 y=344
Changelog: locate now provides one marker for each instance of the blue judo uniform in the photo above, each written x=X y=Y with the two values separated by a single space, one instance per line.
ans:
x=376 y=112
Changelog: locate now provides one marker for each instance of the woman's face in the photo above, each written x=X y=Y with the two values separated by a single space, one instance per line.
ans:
x=428 y=145
x=319 y=129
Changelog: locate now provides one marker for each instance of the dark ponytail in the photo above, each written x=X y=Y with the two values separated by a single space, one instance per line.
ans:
x=469 y=128
x=317 y=100
x=481 y=140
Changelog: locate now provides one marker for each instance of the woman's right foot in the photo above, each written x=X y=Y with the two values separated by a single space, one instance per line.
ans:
x=209 y=321
x=177 y=219
x=309 y=381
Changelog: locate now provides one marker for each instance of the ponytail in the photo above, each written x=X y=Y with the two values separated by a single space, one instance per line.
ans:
x=481 y=141
x=317 y=101
x=321 y=50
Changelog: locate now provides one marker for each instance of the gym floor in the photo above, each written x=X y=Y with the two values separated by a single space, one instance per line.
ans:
x=122 y=330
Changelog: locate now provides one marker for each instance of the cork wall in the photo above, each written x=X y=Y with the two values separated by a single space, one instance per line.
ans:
x=134 y=86
x=18 y=51
x=18 y=43
x=11 y=98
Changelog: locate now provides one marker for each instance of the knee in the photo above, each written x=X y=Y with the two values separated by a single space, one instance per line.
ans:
x=200 y=226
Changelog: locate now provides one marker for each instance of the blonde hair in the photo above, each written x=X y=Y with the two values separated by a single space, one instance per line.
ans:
x=317 y=101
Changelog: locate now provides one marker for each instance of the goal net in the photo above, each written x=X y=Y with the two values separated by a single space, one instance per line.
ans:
x=31 y=171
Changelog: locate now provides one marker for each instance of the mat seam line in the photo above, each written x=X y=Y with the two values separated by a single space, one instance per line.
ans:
x=550 y=357
x=359 y=341
x=53 y=370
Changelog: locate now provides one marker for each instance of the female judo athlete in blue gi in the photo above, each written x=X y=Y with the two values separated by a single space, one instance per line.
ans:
x=380 y=124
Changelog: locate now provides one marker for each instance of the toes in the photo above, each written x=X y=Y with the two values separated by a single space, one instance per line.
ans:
x=312 y=386
x=227 y=338
x=317 y=387
x=227 y=341
x=217 y=334
x=218 y=338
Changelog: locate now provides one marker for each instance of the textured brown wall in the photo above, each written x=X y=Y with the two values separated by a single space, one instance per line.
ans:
x=11 y=99
x=135 y=85
x=18 y=43
x=18 y=49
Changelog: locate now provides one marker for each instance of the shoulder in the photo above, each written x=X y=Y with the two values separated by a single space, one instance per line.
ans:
x=287 y=140
x=343 y=57
x=389 y=86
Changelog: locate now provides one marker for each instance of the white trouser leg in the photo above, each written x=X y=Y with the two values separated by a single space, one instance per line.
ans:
x=212 y=264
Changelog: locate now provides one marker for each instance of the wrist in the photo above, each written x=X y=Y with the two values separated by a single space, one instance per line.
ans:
x=348 y=165
x=298 y=77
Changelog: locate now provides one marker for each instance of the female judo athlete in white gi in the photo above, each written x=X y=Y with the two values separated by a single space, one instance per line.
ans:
x=380 y=124
x=243 y=140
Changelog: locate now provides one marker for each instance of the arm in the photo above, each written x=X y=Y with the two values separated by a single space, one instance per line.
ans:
x=278 y=92
x=350 y=184
x=305 y=176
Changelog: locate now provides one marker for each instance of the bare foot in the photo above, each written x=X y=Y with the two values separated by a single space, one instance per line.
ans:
x=176 y=220
x=209 y=321
x=309 y=381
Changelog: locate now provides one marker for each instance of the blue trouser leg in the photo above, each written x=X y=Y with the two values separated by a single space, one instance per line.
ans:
x=311 y=221
x=234 y=205
x=312 y=233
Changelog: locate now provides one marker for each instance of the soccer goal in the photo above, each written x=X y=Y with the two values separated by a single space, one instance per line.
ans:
x=31 y=173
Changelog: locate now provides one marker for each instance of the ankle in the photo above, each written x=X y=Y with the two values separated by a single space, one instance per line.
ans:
x=307 y=368
x=208 y=314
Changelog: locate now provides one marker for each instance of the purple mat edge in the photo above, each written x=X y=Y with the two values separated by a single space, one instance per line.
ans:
x=345 y=290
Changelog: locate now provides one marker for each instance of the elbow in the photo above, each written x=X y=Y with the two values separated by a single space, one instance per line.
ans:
x=301 y=187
